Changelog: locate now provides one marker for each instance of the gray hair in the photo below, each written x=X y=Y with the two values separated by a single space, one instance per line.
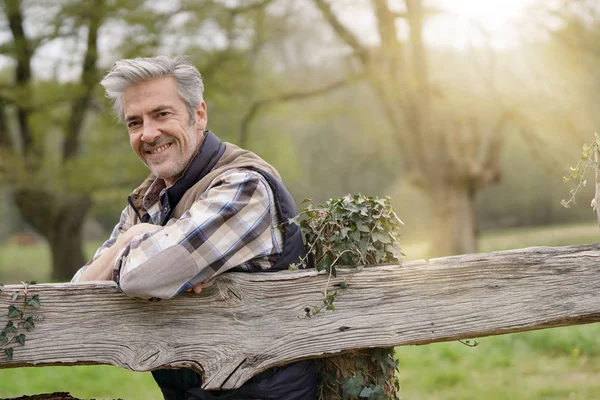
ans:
x=128 y=72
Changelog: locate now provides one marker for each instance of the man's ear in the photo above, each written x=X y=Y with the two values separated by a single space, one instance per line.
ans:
x=201 y=117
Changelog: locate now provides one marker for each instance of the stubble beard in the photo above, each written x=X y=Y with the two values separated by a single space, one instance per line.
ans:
x=175 y=167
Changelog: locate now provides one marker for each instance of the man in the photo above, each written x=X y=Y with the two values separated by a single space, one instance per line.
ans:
x=206 y=208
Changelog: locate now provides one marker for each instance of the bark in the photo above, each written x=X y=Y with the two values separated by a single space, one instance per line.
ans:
x=88 y=80
x=59 y=218
x=23 y=54
x=5 y=140
x=454 y=221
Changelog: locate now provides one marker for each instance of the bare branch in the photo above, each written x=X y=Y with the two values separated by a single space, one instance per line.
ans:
x=258 y=105
x=251 y=7
x=343 y=32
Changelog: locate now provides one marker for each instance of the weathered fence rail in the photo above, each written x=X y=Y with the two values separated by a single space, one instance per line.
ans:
x=242 y=323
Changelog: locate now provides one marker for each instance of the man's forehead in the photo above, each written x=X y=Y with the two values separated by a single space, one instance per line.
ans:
x=149 y=95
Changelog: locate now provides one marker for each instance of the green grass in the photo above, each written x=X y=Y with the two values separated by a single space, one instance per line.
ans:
x=86 y=382
x=560 y=363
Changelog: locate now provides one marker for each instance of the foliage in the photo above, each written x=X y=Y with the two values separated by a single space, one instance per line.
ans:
x=352 y=231
x=578 y=172
x=18 y=321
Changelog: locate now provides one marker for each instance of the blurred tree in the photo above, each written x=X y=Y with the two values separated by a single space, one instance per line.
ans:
x=41 y=109
x=448 y=152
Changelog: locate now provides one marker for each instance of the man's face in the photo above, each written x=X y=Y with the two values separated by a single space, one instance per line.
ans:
x=159 y=127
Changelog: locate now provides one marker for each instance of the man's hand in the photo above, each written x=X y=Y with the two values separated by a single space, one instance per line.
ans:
x=196 y=289
x=102 y=268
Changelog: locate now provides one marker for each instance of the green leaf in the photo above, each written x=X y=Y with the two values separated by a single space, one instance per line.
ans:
x=379 y=255
x=10 y=328
x=9 y=353
x=344 y=232
x=21 y=339
x=362 y=227
x=351 y=387
x=381 y=237
x=366 y=392
x=14 y=312
x=34 y=301
x=28 y=324
x=3 y=338
x=14 y=296
x=394 y=251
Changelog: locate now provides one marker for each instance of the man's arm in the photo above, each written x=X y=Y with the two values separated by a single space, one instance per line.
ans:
x=101 y=269
x=99 y=265
x=228 y=225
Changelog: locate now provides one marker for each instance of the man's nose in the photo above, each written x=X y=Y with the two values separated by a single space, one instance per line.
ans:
x=150 y=132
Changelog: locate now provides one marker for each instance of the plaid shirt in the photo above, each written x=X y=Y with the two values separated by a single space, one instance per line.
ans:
x=233 y=224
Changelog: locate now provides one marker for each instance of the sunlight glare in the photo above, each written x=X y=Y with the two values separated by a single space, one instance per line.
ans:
x=462 y=24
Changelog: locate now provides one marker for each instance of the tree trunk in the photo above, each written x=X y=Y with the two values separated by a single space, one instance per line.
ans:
x=347 y=375
x=454 y=221
x=59 y=219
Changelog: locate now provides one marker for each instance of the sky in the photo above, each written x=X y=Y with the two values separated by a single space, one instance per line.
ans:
x=461 y=26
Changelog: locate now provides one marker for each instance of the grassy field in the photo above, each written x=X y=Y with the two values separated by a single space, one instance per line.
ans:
x=561 y=363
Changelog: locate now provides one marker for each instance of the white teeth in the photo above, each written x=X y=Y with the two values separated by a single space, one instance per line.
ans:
x=161 y=148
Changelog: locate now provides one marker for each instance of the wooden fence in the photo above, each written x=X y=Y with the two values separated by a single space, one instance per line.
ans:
x=242 y=324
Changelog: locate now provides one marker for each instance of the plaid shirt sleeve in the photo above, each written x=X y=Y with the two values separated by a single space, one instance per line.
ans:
x=125 y=222
x=228 y=225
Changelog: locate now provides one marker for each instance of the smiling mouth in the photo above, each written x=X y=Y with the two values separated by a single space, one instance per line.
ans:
x=159 y=149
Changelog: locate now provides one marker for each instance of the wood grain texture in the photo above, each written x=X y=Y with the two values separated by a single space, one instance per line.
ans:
x=242 y=324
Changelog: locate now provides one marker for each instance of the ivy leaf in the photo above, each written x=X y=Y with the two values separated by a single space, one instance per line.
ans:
x=34 y=301
x=394 y=251
x=10 y=328
x=21 y=339
x=3 y=338
x=362 y=227
x=28 y=324
x=366 y=392
x=351 y=387
x=381 y=237
x=9 y=353
x=344 y=232
x=14 y=296
x=14 y=312
x=379 y=255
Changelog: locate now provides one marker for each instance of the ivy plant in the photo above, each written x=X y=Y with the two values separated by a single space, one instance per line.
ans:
x=578 y=172
x=353 y=231
x=20 y=319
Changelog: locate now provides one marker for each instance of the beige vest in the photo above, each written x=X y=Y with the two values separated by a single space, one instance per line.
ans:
x=233 y=157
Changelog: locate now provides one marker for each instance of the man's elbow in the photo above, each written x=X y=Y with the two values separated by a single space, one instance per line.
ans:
x=160 y=277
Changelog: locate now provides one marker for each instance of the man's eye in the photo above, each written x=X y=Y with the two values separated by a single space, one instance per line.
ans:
x=163 y=113
x=133 y=124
